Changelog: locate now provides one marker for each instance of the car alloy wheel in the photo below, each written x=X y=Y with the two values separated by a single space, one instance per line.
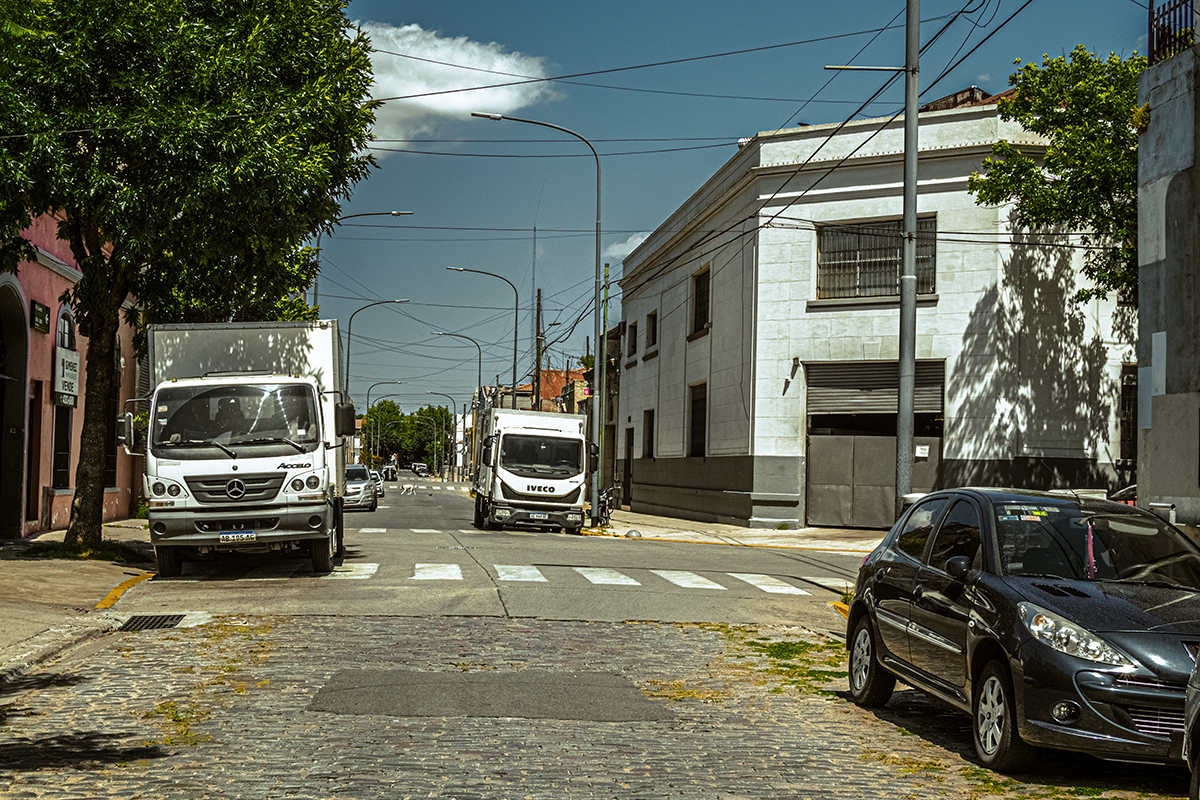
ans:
x=870 y=684
x=997 y=742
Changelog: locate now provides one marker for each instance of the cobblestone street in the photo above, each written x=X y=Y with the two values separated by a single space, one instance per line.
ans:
x=224 y=710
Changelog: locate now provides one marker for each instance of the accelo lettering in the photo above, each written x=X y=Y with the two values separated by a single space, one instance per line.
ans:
x=294 y=466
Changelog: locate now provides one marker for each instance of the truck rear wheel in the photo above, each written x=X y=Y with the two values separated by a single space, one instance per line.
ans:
x=170 y=565
x=321 y=550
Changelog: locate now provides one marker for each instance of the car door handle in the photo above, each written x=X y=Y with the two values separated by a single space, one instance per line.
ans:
x=918 y=593
x=881 y=574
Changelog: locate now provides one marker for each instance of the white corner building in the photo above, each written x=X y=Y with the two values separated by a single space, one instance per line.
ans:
x=758 y=363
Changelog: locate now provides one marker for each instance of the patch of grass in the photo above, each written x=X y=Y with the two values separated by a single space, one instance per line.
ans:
x=807 y=665
x=676 y=691
x=106 y=550
x=178 y=720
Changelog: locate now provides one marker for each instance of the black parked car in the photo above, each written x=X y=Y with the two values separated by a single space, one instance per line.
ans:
x=1055 y=621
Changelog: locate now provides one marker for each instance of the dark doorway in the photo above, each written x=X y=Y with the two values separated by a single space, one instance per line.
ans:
x=14 y=345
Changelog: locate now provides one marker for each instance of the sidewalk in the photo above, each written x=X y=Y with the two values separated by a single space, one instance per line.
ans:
x=48 y=606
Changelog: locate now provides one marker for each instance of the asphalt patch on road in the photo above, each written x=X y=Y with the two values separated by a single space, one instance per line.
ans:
x=528 y=694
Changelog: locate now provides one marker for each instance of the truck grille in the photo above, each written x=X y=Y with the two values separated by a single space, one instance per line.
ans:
x=510 y=493
x=235 y=488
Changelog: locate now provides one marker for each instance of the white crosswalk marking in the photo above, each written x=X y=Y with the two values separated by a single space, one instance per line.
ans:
x=688 y=580
x=425 y=530
x=437 y=572
x=767 y=583
x=372 y=530
x=509 y=572
x=837 y=584
x=606 y=576
x=352 y=572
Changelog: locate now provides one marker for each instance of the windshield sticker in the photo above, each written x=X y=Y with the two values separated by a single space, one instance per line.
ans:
x=1040 y=511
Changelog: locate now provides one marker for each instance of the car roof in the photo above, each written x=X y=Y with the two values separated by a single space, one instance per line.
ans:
x=999 y=495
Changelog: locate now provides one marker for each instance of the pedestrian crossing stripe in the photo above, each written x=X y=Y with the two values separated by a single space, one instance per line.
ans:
x=509 y=572
x=600 y=575
x=767 y=583
x=352 y=572
x=372 y=530
x=425 y=530
x=688 y=580
x=437 y=572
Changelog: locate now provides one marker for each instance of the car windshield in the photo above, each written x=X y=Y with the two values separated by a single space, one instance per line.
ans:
x=261 y=419
x=357 y=473
x=1041 y=537
x=541 y=456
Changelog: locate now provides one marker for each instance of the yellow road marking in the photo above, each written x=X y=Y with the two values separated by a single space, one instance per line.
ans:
x=113 y=596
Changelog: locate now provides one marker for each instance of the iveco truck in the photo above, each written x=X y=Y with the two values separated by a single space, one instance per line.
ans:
x=246 y=446
x=531 y=470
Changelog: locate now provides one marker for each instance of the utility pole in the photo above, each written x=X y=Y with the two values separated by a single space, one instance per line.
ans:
x=908 y=275
x=537 y=355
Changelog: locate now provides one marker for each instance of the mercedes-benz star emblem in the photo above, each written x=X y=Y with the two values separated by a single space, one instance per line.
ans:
x=235 y=489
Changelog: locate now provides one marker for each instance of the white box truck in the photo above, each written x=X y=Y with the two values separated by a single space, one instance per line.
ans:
x=246 y=446
x=531 y=469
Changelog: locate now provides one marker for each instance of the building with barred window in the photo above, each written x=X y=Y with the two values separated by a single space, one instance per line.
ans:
x=762 y=388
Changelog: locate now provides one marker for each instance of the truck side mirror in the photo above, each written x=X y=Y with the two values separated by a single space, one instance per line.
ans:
x=593 y=457
x=126 y=435
x=343 y=419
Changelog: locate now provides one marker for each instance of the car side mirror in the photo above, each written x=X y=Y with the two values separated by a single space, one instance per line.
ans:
x=959 y=567
x=343 y=419
x=593 y=457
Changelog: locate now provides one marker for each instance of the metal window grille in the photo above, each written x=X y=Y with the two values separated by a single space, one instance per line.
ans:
x=1129 y=412
x=700 y=295
x=864 y=259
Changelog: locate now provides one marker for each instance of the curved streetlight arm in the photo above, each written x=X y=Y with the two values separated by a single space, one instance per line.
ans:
x=516 y=321
x=321 y=232
x=349 y=340
x=477 y=347
x=601 y=356
x=453 y=429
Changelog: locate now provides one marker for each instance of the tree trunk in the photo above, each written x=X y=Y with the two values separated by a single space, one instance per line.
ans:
x=87 y=507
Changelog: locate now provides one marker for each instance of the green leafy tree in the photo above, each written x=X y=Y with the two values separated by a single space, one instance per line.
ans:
x=188 y=148
x=1086 y=107
x=381 y=431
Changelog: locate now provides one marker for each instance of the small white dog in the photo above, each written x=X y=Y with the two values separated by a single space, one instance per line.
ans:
x=408 y=488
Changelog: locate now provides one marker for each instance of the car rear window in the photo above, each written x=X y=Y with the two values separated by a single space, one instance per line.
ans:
x=354 y=473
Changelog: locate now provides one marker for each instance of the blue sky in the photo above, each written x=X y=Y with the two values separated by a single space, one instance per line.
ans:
x=478 y=188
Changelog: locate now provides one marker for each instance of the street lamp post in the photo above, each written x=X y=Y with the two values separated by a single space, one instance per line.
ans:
x=437 y=433
x=339 y=219
x=478 y=387
x=601 y=356
x=372 y=386
x=453 y=426
x=516 y=320
x=349 y=340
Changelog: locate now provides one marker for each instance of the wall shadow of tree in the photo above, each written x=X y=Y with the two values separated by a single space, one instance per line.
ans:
x=87 y=750
x=1031 y=397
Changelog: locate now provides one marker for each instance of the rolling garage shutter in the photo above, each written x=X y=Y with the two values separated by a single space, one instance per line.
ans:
x=871 y=387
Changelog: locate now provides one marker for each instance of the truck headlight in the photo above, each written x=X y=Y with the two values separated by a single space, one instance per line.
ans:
x=501 y=513
x=159 y=488
x=174 y=490
x=312 y=482
x=1065 y=636
x=297 y=485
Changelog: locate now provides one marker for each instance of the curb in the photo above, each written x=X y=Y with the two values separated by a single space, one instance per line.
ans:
x=47 y=646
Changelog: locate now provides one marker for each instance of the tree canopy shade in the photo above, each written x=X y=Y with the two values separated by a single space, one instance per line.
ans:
x=188 y=148
x=1087 y=180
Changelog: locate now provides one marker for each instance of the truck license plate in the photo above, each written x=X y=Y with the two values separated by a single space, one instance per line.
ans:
x=240 y=536
x=539 y=516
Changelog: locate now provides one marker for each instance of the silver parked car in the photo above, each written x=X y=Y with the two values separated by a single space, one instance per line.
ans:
x=378 y=482
x=360 y=489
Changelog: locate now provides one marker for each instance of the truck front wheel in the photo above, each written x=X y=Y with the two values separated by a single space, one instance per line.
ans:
x=322 y=554
x=170 y=565
x=478 y=520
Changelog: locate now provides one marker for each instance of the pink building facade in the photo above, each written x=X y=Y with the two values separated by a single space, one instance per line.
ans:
x=42 y=362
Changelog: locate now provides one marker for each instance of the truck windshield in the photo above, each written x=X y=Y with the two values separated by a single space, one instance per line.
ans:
x=532 y=456
x=251 y=420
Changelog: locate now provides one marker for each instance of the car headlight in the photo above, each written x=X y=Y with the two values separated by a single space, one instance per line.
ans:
x=1066 y=637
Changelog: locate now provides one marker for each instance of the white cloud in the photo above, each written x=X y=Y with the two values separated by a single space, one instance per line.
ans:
x=397 y=76
x=618 y=251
